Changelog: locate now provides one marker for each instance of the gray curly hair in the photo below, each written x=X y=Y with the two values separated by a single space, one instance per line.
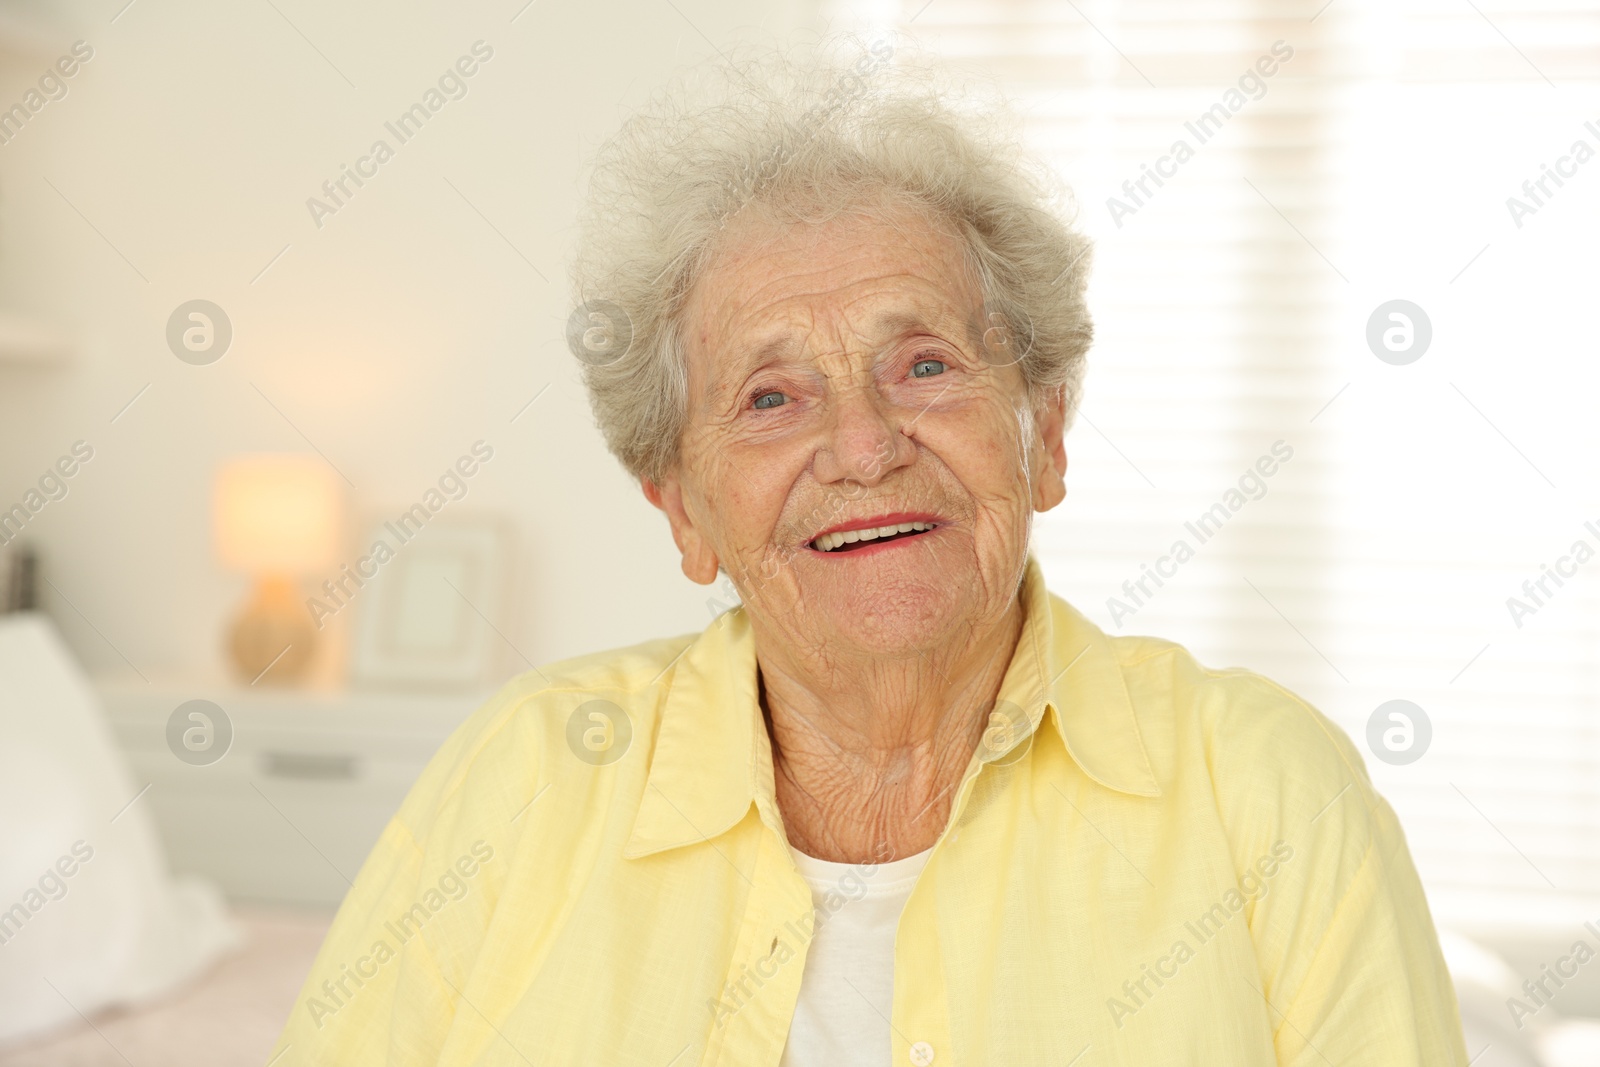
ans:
x=807 y=137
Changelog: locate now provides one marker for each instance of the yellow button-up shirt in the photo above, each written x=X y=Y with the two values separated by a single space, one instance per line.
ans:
x=1186 y=866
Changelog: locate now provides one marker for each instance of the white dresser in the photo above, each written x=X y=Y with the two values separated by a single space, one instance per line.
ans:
x=289 y=812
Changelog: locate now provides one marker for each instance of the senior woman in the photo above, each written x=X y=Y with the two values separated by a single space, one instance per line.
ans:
x=902 y=806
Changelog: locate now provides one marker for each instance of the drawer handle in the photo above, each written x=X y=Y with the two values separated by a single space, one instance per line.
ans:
x=312 y=765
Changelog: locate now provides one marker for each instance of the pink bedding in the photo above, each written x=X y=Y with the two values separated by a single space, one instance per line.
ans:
x=231 y=1016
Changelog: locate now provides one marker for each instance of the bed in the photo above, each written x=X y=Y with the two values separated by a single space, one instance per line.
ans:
x=229 y=1017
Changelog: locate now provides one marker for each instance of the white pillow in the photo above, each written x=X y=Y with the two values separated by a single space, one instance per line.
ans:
x=89 y=916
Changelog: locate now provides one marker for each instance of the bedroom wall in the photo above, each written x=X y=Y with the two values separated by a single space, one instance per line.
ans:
x=390 y=335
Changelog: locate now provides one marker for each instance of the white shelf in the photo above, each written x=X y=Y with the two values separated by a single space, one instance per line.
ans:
x=289 y=814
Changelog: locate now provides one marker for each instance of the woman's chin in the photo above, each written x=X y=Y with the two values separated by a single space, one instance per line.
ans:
x=886 y=608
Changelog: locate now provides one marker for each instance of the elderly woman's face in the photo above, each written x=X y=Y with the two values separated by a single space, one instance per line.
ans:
x=840 y=386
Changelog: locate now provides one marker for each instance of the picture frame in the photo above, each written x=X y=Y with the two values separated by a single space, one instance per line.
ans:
x=434 y=612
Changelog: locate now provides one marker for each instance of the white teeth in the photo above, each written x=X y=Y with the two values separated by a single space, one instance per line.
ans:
x=829 y=542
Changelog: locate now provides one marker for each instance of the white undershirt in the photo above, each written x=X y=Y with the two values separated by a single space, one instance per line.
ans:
x=847 y=989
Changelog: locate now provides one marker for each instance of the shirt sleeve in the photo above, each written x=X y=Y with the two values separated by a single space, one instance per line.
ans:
x=1348 y=961
x=1375 y=989
x=375 y=994
x=386 y=986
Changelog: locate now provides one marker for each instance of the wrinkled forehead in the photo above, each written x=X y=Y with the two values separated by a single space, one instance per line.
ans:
x=773 y=289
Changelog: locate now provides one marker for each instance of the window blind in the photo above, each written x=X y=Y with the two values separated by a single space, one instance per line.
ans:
x=1248 y=475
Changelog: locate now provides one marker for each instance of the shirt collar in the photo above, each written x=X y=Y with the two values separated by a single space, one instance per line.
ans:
x=1067 y=664
x=712 y=757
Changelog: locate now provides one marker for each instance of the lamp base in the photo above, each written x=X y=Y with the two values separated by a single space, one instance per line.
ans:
x=272 y=639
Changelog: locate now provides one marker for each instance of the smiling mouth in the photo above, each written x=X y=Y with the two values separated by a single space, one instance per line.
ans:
x=851 y=540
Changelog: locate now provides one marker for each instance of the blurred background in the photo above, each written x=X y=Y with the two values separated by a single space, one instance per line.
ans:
x=1350 y=243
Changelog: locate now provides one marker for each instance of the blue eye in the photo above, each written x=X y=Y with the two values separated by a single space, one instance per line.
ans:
x=769 y=400
x=927 y=368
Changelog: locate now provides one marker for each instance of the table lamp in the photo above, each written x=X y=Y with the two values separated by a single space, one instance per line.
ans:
x=276 y=517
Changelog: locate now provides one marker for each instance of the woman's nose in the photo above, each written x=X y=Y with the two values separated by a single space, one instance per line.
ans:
x=862 y=442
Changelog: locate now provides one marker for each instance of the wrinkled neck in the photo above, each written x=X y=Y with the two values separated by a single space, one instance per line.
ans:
x=869 y=750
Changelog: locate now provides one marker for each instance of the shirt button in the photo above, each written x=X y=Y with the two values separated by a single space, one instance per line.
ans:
x=922 y=1054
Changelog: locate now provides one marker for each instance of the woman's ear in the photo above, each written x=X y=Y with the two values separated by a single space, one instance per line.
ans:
x=699 y=560
x=1050 y=451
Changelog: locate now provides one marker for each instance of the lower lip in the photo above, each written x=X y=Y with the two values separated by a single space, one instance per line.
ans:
x=875 y=547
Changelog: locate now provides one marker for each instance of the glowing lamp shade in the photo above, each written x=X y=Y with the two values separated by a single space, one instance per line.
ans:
x=276 y=517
